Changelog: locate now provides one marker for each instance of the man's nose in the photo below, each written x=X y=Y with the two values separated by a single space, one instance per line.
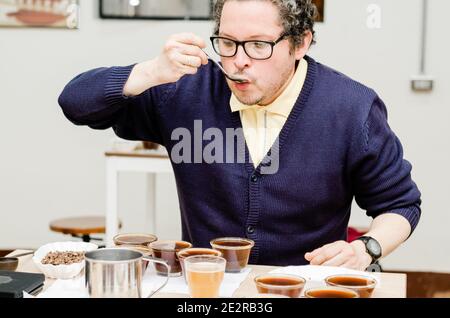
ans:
x=241 y=59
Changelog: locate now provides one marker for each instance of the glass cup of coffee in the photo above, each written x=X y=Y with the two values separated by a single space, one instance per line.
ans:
x=204 y=275
x=137 y=242
x=280 y=284
x=195 y=251
x=267 y=296
x=168 y=250
x=134 y=239
x=363 y=285
x=330 y=292
x=235 y=250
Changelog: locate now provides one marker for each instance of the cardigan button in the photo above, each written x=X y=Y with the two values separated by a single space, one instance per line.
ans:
x=250 y=229
x=254 y=178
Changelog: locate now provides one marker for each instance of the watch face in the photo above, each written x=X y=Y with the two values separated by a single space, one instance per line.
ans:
x=374 y=248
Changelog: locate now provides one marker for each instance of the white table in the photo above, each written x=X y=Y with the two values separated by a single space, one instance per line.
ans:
x=141 y=160
x=391 y=285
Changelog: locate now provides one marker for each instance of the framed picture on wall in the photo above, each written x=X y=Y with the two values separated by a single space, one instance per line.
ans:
x=320 y=8
x=156 y=9
x=39 y=13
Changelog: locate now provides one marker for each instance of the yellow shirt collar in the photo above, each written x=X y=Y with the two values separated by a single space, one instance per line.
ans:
x=285 y=102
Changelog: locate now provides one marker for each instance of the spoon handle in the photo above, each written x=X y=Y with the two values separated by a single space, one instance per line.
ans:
x=217 y=63
x=23 y=254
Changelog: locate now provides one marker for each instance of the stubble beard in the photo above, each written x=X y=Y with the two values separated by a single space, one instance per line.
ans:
x=274 y=88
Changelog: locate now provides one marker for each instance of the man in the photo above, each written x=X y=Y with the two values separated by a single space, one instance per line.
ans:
x=329 y=136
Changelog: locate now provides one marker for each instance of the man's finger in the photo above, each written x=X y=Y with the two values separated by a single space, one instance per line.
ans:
x=325 y=255
x=309 y=256
x=194 y=51
x=186 y=60
x=189 y=38
x=338 y=260
x=192 y=61
x=327 y=249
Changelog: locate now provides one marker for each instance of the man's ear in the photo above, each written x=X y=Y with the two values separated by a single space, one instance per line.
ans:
x=302 y=49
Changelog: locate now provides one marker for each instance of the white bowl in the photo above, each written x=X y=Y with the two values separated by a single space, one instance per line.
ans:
x=62 y=271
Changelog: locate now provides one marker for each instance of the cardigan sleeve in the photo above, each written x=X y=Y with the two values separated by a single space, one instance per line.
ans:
x=381 y=177
x=95 y=99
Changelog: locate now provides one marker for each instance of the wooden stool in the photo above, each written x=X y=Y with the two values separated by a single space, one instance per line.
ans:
x=81 y=227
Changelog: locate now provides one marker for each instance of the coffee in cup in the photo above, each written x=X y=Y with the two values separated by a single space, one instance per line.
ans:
x=330 y=292
x=363 y=285
x=281 y=284
x=168 y=250
x=134 y=239
x=137 y=242
x=235 y=250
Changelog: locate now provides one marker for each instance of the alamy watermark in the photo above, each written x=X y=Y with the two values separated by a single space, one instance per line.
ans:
x=215 y=146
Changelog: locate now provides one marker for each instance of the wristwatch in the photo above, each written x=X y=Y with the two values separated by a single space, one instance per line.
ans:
x=373 y=248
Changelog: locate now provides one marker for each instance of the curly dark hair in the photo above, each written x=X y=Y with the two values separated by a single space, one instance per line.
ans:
x=296 y=17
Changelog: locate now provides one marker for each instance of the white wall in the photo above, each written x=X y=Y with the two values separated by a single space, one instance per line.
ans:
x=50 y=168
x=385 y=59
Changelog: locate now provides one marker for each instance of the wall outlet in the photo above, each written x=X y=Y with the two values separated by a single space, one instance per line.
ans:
x=422 y=83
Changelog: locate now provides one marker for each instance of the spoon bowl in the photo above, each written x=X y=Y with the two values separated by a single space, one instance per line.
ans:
x=230 y=77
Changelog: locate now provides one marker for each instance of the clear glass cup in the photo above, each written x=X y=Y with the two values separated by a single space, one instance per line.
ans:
x=330 y=292
x=136 y=242
x=167 y=250
x=195 y=251
x=134 y=239
x=204 y=275
x=267 y=296
x=281 y=284
x=235 y=250
x=363 y=285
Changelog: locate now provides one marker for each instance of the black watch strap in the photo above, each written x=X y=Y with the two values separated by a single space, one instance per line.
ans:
x=373 y=248
x=374 y=267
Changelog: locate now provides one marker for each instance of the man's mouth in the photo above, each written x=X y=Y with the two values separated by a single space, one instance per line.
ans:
x=242 y=86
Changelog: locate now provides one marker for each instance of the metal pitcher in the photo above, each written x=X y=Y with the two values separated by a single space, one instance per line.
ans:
x=117 y=273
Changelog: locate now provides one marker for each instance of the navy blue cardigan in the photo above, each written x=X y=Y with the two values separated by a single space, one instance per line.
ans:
x=335 y=145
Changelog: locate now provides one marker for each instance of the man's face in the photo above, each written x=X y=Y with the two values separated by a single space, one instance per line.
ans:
x=257 y=20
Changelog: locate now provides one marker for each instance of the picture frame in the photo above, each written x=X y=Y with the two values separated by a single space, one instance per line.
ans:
x=320 y=4
x=39 y=13
x=156 y=9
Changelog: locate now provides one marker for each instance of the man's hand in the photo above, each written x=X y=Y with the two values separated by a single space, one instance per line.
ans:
x=350 y=255
x=182 y=54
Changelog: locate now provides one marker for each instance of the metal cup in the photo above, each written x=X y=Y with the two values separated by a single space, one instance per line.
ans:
x=117 y=273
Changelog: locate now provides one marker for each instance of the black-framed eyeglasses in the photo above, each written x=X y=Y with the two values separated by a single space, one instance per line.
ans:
x=255 y=49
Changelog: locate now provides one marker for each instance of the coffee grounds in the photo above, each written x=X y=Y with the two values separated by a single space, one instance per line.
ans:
x=63 y=258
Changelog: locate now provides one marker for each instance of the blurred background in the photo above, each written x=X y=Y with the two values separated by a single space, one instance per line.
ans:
x=51 y=169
